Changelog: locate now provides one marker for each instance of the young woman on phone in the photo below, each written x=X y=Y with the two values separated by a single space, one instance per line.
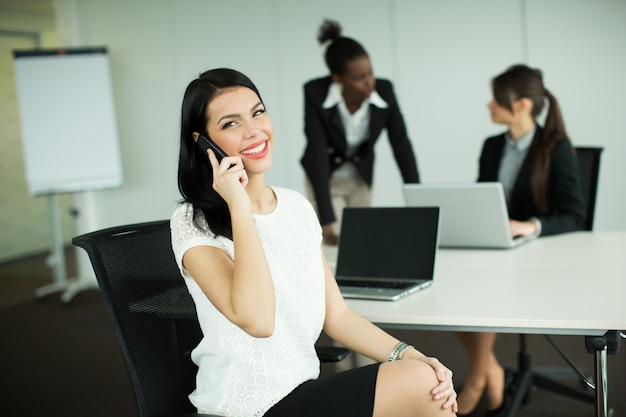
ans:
x=252 y=259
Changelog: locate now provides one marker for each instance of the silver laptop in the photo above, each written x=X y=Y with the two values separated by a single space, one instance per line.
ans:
x=473 y=214
x=386 y=253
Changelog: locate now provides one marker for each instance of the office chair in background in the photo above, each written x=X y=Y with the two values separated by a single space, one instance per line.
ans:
x=153 y=314
x=588 y=160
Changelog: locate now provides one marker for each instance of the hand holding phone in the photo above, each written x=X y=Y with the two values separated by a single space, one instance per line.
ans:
x=205 y=142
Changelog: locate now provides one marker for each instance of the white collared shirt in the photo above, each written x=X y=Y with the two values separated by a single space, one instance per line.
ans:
x=356 y=125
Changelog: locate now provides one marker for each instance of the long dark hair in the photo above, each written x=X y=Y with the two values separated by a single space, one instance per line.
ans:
x=341 y=50
x=521 y=81
x=195 y=175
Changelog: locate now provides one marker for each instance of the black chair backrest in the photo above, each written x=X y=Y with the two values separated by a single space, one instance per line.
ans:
x=140 y=283
x=588 y=159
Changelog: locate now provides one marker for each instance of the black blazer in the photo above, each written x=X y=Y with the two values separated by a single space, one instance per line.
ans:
x=564 y=193
x=326 y=142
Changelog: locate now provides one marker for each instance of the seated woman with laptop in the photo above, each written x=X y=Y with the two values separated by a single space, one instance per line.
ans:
x=538 y=171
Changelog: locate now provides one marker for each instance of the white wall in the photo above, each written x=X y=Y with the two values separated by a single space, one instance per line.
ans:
x=584 y=65
x=440 y=54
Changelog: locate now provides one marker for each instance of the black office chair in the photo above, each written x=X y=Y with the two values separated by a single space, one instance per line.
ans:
x=153 y=315
x=588 y=161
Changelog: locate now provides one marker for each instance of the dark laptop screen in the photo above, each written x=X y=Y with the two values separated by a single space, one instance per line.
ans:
x=388 y=242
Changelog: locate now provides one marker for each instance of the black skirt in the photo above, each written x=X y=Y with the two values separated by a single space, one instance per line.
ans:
x=344 y=394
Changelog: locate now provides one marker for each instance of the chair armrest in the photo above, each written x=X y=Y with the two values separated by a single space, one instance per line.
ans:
x=331 y=353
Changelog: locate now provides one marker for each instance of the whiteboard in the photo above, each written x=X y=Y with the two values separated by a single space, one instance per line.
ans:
x=67 y=119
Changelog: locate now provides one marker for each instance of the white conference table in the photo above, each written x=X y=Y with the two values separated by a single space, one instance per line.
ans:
x=571 y=284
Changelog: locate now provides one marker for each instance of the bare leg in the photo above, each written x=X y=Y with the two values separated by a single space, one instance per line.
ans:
x=403 y=389
x=484 y=372
x=495 y=384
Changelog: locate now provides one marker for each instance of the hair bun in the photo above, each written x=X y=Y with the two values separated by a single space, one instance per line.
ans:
x=329 y=30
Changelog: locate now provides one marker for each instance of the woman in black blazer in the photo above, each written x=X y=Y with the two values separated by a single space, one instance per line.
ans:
x=538 y=171
x=345 y=114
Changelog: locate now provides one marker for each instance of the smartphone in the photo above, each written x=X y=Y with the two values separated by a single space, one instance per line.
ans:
x=205 y=142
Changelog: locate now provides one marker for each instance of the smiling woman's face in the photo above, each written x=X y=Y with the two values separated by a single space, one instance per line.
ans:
x=239 y=124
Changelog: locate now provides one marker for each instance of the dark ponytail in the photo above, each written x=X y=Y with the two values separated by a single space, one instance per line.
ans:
x=521 y=81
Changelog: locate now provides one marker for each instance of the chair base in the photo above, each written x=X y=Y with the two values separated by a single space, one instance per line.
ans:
x=68 y=289
x=526 y=378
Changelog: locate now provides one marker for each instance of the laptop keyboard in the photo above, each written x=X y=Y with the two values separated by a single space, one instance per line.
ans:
x=372 y=284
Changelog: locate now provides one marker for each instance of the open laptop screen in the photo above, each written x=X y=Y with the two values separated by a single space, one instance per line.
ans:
x=388 y=242
x=473 y=214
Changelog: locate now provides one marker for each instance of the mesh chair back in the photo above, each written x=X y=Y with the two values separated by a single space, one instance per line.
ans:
x=588 y=159
x=152 y=313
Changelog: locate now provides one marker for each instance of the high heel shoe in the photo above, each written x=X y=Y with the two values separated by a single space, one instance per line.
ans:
x=470 y=414
x=498 y=411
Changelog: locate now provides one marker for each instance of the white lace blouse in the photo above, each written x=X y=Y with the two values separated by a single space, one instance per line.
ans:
x=240 y=375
